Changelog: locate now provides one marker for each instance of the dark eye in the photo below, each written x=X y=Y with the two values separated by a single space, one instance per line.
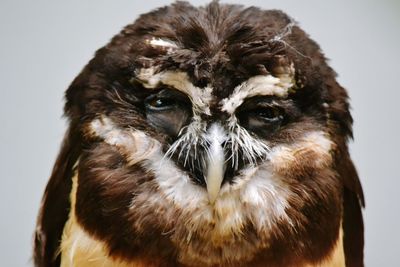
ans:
x=260 y=116
x=269 y=114
x=161 y=103
x=168 y=111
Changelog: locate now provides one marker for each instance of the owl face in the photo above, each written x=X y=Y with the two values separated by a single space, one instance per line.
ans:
x=210 y=136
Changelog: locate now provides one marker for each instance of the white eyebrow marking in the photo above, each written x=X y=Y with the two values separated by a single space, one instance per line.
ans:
x=162 y=43
x=200 y=97
x=259 y=85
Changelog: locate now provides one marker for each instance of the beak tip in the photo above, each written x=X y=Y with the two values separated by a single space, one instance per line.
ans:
x=213 y=193
x=212 y=199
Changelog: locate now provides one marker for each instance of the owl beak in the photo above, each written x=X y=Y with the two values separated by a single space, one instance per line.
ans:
x=215 y=162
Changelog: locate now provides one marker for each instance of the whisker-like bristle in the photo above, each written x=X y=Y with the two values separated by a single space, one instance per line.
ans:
x=192 y=148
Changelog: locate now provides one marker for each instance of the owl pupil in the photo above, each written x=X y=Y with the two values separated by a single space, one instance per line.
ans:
x=168 y=111
x=158 y=103
x=269 y=113
x=260 y=117
x=162 y=102
x=266 y=113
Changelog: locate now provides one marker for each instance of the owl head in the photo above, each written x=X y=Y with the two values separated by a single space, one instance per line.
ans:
x=211 y=136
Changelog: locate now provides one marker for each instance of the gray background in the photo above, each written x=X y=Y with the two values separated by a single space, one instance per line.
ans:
x=44 y=45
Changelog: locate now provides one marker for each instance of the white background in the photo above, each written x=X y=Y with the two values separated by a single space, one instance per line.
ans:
x=44 y=45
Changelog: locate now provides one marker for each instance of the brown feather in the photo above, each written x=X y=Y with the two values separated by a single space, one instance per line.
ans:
x=55 y=204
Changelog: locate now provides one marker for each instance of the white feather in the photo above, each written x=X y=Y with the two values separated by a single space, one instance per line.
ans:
x=162 y=43
x=257 y=85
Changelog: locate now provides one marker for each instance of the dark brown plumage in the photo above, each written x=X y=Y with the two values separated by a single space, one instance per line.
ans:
x=288 y=185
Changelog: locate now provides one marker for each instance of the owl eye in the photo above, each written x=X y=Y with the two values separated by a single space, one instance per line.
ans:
x=268 y=114
x=260 y=117
x=168 y=111
x=158 y=103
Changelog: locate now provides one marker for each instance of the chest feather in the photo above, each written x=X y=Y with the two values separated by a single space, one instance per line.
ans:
x=79 y=249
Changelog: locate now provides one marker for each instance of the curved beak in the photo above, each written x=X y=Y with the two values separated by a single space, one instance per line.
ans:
x=215 y=172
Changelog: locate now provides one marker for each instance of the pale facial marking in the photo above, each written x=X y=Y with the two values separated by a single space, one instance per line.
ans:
x=133 y=144
x=200 y=97
x=317 y=142
x=158 y=42
x=262 y=85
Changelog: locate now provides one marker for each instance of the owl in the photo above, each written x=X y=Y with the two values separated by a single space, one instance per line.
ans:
x=204 y=136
